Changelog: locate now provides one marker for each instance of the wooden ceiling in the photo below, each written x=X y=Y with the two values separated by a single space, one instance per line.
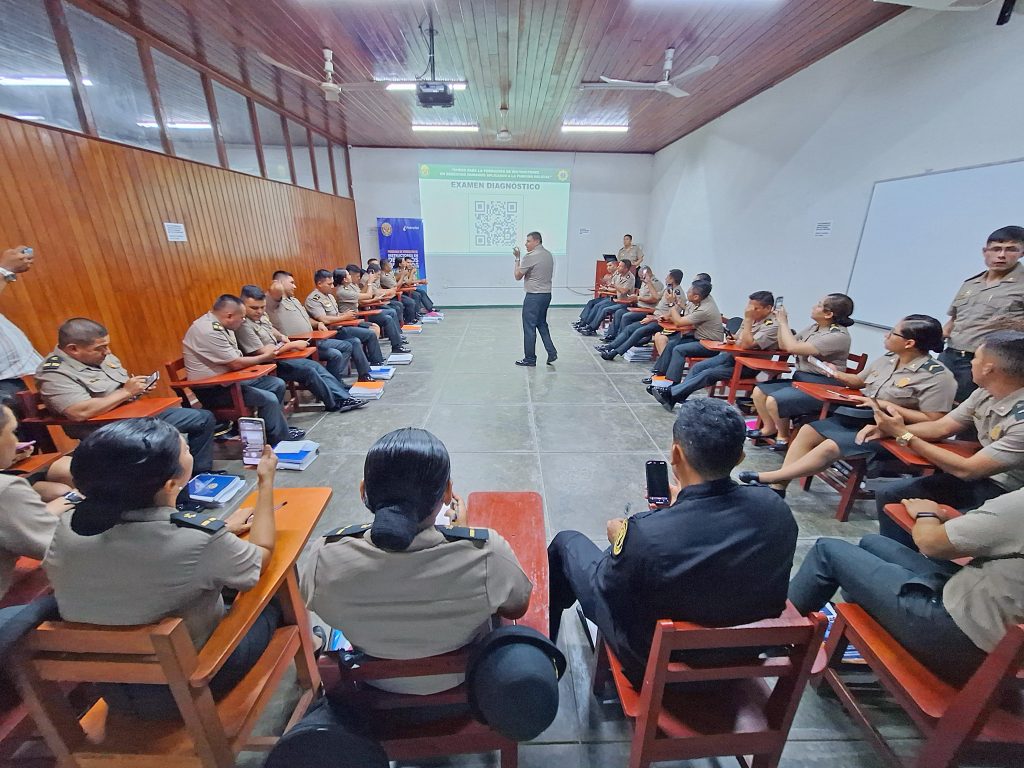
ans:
x=528 y=54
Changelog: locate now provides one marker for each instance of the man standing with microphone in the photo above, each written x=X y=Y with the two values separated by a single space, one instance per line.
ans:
x=535 y=270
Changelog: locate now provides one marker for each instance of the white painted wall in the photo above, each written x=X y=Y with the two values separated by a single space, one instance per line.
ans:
x=740 y=197
x=610 y=196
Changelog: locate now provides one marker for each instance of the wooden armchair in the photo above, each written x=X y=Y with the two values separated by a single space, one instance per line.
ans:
x=742 y=714
x=519 y=517
x=985 y=713
x=178 y=380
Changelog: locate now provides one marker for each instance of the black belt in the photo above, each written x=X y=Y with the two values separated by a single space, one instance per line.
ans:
x=961 y=353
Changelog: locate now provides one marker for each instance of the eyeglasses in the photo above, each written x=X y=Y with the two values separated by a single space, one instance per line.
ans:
x=896 y=333
x=1009 y=250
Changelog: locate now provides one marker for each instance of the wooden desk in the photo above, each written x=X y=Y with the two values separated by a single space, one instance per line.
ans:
x=899 y=515
x=766 y=366
x=519 y=518
x=298 y=354
x=830 y=395
x=732 y=349
x=35 y=463
x=295 y=522
x=313 y=335
x=368 y=312
x=908 y=456
x=627 y=302
x=141 y=408
x=339 y=324
x=226 y=379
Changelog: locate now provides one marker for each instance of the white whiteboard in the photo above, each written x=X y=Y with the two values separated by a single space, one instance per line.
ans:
x=923 y=237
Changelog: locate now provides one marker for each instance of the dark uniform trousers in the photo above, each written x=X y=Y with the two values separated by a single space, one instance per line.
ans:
x=388 y=324
x=602 y=308
x=572 y=565
x=677 y=361
x=618 y=313
x=535 y=320
x=411 y=308
x=963 y=495
x=335 y=354
x=266 y=395
x=660 y=366
x=420 y=294
x=317 y=379
x=369 y=346
x=704 y=374
x=900 y=588
x=197 y=426
x=634 y=335
x=959 y=364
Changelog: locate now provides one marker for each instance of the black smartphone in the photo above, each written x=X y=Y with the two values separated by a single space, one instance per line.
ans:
x=152 y=379
x=657 y=483
x=778 y=301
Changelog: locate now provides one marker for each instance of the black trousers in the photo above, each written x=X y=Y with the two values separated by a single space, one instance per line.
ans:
x=572 y=562
x=963 y=495
x=370 y=345
x=901 y=589
x=959 y=364
x=660 y=366
x=265 y=394
x=535 y=320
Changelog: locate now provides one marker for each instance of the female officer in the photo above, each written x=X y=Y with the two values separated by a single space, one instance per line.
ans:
x=125 y=556
x=827 y=340
x=402 y=588
x=906 y=379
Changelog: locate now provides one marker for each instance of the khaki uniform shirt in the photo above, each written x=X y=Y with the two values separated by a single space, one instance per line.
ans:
x=539 y=267
x=977 y=309
x=321 y=305
x=662 y=308
x=208 y=347
x=64 y=381
x=387 y=280
x=924 y=385
x=347 y=296
x=765 y=333
x=288 y=315
x=706 y=319
x=832 y=344
x=987 y=594
x=1000 y=425
x=26 y=526
x=146 y=569
x=634 y=253
x=433 y=598
x=650 y=296
x=252 y=335
x=623 y=284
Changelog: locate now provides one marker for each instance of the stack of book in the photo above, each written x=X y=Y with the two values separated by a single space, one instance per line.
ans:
x=399 y=358
x=661 y=382
x=296 y=454
x=367 y=390
x=639 y=355
x=412 y=328
x=214 y=490
x=432 y=317
x=382 y=372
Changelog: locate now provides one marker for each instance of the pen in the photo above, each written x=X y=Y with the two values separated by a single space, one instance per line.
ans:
x=250 y=517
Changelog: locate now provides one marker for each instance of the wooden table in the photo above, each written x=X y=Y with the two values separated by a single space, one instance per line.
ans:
x=899 y=515
x=313 y=335
x=339 y=324
x=733 y=349
x=226 y=379
x=298 y=354
x=141 y=408
x=35 y=462
x=519 y=518
x=906 y=454
x=830 y=395
x=368 y=312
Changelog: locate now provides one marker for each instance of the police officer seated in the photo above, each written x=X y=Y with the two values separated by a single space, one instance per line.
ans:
x=256 y=335
x=210 y=349
x=401 y=587
x=82 y=378
x=995 y=410
x=905 y=380
x=720 y=555
x=322 y=306
x=125 y=557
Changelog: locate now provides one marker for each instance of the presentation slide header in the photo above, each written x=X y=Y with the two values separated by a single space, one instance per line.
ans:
x=495 y=175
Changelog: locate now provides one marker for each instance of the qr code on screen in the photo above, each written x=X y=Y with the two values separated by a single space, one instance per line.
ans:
x=496 y=223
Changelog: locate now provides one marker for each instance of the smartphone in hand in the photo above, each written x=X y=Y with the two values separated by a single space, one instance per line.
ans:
x=253 y=432
x=152 y=379
x=658 y=492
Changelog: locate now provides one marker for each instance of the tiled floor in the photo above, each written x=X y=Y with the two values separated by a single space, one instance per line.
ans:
x=579 y=432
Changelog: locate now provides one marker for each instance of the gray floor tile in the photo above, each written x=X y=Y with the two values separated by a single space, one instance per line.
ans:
x=494 y=428
x=491 y=387
x=590 y=429
x=572 y=388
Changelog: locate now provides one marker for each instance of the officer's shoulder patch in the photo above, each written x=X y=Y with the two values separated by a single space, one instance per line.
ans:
x=1018 y=411
x=975 y=277
x=52 y=363
x=217 y=326
x=933 y=366
x=207 y=523
x=768 y=322
x=835 y=327
x=349 y=530
x=457 y=533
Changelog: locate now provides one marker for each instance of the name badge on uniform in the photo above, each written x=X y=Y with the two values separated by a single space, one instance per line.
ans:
x=620 y=538
x=996 y=432
x=903 y=382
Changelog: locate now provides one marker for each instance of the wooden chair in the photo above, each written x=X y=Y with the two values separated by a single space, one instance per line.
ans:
x=178 y=380
x=984 y=714
x=519 y=517
x=741 y=715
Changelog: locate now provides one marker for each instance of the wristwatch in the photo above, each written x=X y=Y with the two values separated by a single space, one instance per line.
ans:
x=932 y=515
x=904 y=439
x=7 y=275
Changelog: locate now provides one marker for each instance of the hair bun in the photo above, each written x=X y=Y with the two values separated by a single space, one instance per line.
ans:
x=393 y=528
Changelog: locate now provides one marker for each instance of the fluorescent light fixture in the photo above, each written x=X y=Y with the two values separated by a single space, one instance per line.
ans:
x=179 y=126
x=411 y=86
x=447 y=128
x=28 y=117
x=38 y=81
x=595 y=128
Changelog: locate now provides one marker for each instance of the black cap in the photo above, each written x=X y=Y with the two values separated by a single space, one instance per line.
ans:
x=512 y=681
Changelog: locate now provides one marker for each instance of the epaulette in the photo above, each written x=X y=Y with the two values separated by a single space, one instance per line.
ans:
x=207 y=523
x=835 y=327
x=217 y=326
x=1018 y=410
x=933 y=366
x=766 y=323
x=975 y=277
x=456 y=533
x=349 y=530
x=52 y=363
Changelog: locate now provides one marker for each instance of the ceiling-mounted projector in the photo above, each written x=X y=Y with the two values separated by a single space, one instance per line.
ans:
x=430 y=93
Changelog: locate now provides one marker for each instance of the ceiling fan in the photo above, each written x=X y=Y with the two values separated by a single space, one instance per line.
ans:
x=332 y=91
x=665 y=85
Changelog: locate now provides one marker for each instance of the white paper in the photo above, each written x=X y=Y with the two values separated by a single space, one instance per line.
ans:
x=823 y=229
x=175 y=232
